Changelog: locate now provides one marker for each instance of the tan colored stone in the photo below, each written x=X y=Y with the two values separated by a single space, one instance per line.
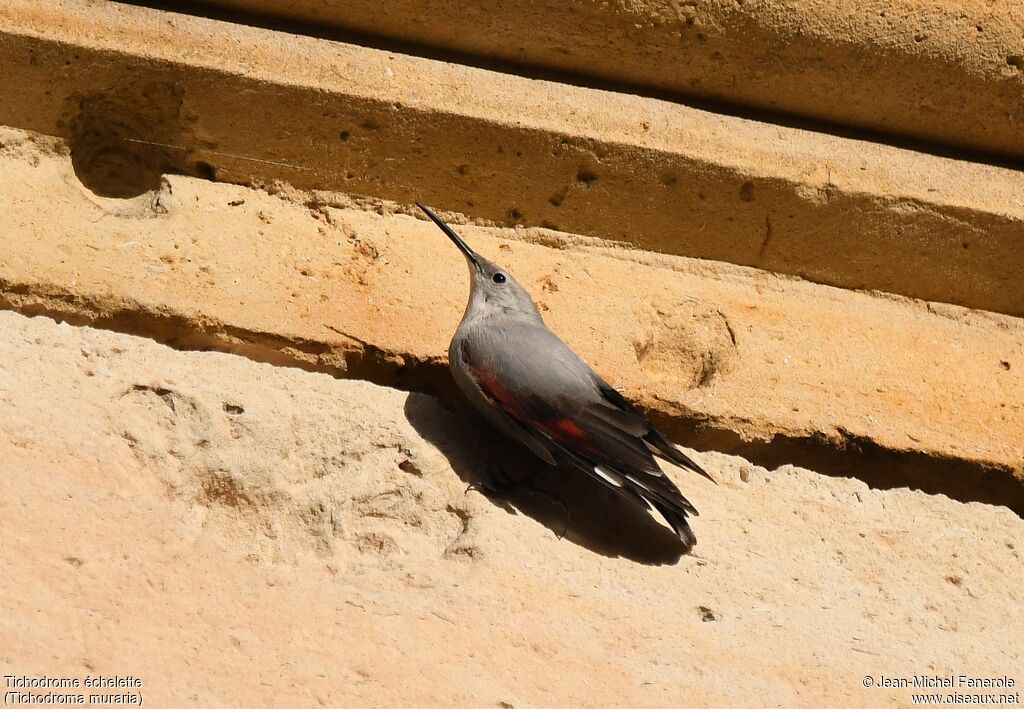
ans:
x=236 y=534
x=239 y=534
x=945 y=72
x=138 y=92
x=725 y=357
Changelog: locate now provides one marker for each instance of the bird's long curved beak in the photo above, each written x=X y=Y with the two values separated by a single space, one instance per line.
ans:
x=463 y=246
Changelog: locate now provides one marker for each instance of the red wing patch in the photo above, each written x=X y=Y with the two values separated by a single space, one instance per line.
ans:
x=490 y=386
x=567 y=433
x=564 y=430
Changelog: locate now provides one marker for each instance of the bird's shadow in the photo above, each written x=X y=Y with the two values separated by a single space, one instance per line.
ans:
x=598 y=519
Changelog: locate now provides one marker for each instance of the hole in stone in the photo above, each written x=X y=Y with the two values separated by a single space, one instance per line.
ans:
x=344 y=135
x=111 y=169
x=586 y=176
x=123 y=141
x=1016 y=61
x=747 y=191
x=410 y=467
x=205 y=170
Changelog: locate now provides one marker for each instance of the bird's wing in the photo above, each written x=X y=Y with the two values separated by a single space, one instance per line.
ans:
x=548 y=392
x=505 y=406
x=619 y=412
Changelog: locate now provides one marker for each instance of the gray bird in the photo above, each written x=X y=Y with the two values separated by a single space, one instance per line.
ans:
x=537 y=391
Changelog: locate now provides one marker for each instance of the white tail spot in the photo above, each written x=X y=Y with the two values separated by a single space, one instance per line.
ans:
x=661 y=516
x=608 y=475
x=637 y=482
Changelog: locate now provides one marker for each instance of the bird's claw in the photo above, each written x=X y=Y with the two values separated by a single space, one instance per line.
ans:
x=500 y=484
x=558 y=501
x=506 y=486
x=482 y=488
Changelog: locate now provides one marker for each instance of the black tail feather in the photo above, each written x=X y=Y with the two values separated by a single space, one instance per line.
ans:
x=678 y=522
x=669 y=502
x=673 y=454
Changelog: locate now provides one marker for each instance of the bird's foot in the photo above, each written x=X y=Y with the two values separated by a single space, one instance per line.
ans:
x=501 y=484
x=558 y=501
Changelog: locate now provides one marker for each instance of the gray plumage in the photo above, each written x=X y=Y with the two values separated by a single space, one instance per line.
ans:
x=537 y=391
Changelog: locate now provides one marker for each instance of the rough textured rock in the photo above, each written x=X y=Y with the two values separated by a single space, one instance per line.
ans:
x=238 y=534
x=727 y=358
x=242 y=528
x=137 y=92
x=949 y=72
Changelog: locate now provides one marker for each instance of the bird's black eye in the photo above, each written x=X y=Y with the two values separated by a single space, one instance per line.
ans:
x=499 y=278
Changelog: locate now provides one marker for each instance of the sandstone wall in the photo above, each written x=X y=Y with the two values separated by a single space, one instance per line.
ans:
x=135 y=95
x=233 y=460
x=239 y=534
x=950 y=73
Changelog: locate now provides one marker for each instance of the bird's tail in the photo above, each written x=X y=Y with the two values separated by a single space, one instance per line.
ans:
x=657 y=492
x=676 y=520
x=664 y=497
x=673 y=454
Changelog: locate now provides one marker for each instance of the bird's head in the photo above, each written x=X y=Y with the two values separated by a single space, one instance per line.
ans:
x=492 y=288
